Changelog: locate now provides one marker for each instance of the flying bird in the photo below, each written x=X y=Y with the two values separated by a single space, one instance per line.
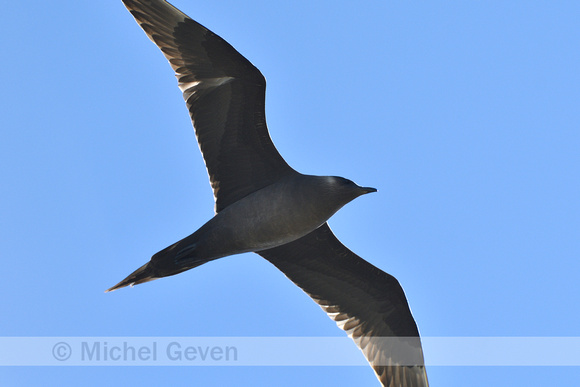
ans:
x=263 y=205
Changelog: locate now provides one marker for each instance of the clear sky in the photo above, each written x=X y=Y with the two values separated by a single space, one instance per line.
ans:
x=465 y=115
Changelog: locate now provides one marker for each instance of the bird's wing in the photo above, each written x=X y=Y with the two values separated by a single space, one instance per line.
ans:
x=225 y=95
x=366 y=302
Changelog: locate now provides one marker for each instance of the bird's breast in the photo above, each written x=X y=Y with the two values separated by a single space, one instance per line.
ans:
x=267 y=218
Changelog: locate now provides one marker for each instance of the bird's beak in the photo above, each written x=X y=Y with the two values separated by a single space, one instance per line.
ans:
x=368 y=190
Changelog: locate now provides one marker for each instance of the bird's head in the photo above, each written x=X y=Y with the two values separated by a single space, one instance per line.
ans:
x=346 y=189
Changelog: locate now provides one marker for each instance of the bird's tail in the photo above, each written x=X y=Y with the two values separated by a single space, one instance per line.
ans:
x=174 y=259
x=143 y=274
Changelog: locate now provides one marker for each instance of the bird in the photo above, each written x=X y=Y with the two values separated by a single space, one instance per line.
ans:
x=263 y=205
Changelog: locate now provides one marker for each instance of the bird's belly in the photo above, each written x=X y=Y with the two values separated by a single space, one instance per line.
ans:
x=255 y=225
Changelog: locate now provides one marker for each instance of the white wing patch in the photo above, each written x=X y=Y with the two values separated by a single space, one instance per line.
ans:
x=407 y=369
x=190 y=88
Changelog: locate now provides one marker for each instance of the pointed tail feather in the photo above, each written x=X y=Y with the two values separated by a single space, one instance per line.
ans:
x=141 y=275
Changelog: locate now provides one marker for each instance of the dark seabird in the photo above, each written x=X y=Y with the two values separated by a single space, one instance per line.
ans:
x=265 y=206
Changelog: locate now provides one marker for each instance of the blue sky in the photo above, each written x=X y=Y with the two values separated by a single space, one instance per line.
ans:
x=465 y=116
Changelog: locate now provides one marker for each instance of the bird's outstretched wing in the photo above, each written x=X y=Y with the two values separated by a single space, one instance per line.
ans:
x=366 y=302
x=225 y=96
